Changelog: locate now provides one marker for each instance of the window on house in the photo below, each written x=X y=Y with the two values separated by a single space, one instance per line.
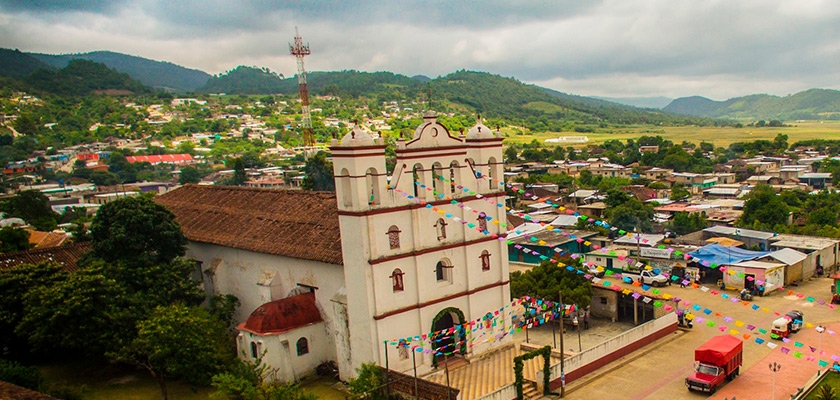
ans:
x=482 y=222
x=443 y=272
x=254 y=353
x=302 y=346
x=441 y=229
x=485 y=260
x=603 y=300
x=397 y=278
x=394 y=237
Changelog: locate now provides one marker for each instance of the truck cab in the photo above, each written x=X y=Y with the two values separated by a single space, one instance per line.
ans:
x=715 y=362
x=705 y=378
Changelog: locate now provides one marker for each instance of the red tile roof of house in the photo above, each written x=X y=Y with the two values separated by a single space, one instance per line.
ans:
x=162 y=158
x=10 y=391
x=39 y=239
x=66 y=255
x=283 y=315
x=292 y=223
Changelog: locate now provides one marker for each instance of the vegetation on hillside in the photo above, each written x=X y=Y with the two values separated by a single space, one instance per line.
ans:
x=808 y=104
x=82 y=77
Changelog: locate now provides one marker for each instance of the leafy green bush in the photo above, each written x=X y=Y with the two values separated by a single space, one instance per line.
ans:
x=13 y=372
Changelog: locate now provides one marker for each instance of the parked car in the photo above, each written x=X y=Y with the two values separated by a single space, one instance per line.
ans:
x=652 y=278
x=596 y=270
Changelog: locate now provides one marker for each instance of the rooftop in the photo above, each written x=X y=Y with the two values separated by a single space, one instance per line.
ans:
x=292 y=223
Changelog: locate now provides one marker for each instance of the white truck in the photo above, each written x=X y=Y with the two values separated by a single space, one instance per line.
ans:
x=652 y=278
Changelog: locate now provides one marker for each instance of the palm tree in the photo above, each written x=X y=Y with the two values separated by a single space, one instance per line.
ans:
x=826 y=392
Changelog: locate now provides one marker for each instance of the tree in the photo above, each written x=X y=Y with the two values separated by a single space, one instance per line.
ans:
x=679 y=193
x=13 y=239
x=319 y=173
x=189 y=175
x=33 y=207
x=26 y=124
x=546 y=280
x=368 y=382
x=246 y=380
x=684 y=223
x=15 y=373
x=826 y=392
x=15 y=282
x=239 y=172
x=136 y=230
x=178 y=341
x=83 y=312
x=764 y=209
x=511 y=155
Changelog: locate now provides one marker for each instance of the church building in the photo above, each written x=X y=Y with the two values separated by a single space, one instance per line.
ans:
x=338 y=276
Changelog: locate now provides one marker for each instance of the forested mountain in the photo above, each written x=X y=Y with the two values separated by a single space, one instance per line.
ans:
x=157 y=74
x=16 y=64
x=245 y=80
x=83 y=77
x=492 y=95
x=810 y=104
x=643 y=102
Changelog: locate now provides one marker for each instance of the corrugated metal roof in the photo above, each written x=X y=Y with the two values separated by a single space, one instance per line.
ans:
x=788 y=256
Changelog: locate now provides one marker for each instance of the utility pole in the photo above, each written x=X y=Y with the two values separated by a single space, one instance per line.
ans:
x=300 y=50
x=562 y=350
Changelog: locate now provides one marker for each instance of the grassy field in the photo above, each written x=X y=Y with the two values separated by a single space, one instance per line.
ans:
x=830 y=379
x=720 y=136
x=96 y=381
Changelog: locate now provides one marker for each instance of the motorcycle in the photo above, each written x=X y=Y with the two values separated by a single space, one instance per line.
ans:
x=684 y=320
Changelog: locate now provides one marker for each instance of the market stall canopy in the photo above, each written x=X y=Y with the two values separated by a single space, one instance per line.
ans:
x=725 y=241
x=723 y=255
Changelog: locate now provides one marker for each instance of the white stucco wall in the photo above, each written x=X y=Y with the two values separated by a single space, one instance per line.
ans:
x=280 y=351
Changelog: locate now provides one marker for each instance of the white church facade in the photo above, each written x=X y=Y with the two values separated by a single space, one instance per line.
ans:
x=337 y=277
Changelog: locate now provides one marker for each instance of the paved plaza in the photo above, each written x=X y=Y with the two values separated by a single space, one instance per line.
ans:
x=658 y=371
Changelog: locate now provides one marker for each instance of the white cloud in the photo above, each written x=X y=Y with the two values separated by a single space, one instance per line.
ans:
x=713 y=48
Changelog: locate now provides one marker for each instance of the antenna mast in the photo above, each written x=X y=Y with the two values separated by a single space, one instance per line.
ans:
x=300 y=50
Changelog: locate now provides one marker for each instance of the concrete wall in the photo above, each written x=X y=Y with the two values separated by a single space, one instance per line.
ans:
x=599 y=356
x=596 y=357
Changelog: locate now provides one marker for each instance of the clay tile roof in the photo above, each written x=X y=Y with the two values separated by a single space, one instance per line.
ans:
x=66 y=256
x=283 y=315
x=10 y=391
x=292 y=223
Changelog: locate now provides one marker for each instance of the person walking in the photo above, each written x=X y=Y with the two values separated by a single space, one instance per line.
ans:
x=586 y=320
x=686 y=278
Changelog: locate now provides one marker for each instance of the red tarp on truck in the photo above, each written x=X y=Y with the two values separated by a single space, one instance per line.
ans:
x=718 y=350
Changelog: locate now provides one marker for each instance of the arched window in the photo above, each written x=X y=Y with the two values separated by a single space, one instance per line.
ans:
x=302 y=346
x=441 y=229
x=417 y=176
x=437 y=182
x=453 y=167
x=443 y=272
x=397 y=278
x=491 y=165
x=394 y=237
x=254 y=353
x=372 y=181
x=482 y=222
x=343 y=180
x=485 y=260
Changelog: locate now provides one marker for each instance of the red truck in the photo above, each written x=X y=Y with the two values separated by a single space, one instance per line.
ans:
x=715 y=362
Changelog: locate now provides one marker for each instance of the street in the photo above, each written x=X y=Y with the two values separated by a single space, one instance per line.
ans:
x=659 y=371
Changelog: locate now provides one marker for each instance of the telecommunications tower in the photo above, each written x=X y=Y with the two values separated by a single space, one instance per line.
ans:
x=300 y=50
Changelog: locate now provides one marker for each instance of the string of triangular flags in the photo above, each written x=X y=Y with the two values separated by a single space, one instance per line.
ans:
x=627 y=279
x=580 y=240
x=534 y=312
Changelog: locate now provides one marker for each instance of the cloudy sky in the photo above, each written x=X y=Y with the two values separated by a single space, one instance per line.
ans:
x=619 y=48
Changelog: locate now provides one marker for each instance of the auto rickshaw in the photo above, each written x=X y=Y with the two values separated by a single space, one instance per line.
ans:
x=788 y=324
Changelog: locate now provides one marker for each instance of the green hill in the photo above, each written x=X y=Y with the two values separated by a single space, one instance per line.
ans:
x=83 y=77
x=809 y=104
x=157 y=74
x=245 y=80
x=16 y=64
